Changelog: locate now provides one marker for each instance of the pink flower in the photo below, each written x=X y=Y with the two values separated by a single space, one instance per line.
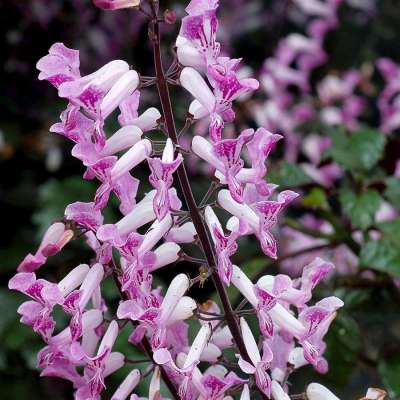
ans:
x=270 y=311
x=99 y=366
x=56 y=360
x=127 y=385
x=214 y=386
x=174 y=308
x=76 y=301
x=315 y=391
x=55 y=238
x=299 y=292
x=388 y=101
x=100 y=93
x=45 y=295
x=115 y=177
x=225 y=156
x=225 y=246
x=130 y=117
x=60 y=65
x=163 y=356
x=260 y=217
x=84 y=214
x=135 y=248
x=317 y=320
x=196 y=44
x=227 y=87
x=161 y=178
x=259 y=365
x=74 y=125
x=116 y=4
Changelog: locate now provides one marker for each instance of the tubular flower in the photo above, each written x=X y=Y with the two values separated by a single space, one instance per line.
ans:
x=258 y=365
x=116 y=4
x=196 y=44
x=161 y=178
x=55 y=238
x=225 y=246
x=163 y=357
x=160 y=222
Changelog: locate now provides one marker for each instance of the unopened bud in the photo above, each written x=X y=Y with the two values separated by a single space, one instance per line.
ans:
x=169 y=17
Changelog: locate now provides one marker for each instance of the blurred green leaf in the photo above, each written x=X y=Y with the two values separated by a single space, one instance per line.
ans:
x=288 y=175
x=391 y=230
x=381 y=255
x=316 y=199
x=360 y=209
x=9 y=302
x=344 y=342
x=389 y=371
x=352 y=297
x=362 y=150
x=54 y=196
x=392 y=192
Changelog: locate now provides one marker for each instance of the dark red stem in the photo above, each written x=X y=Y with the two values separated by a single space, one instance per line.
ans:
x=197 y=219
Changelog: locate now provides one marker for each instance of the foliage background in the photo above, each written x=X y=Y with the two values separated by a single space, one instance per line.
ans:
x=38 y=177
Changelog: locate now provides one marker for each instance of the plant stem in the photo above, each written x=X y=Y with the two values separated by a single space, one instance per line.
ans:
x=197 y=220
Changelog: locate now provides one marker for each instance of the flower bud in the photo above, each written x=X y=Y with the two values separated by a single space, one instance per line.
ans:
x=315 y=391
x=116 y=4
x=170 y=16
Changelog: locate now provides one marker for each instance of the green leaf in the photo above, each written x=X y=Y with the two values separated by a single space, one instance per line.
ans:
x=389 y=370
x=361 y=151
x=352 y=297
x=343 y=344
x=289 y=175
x=55 y=195
x=316 y=199
x=391 y=229
x=9 y=302
x=392 y=192
x=381 y=255
x=360 y=209
x=368 y=146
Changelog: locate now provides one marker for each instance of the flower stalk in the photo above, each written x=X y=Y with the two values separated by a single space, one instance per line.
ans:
x=183 y=179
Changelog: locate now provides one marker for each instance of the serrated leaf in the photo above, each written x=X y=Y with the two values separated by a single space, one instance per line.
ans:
x=389 y=370
x=360 y=209
x=369 y=146
x=288 y=175
x=381 y=255
x=361 y=151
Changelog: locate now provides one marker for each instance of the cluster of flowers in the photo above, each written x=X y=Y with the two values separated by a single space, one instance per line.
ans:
x=389 y=99
x=290 y=102
x=285 y=77
x=150 y=234
x=294 y=107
